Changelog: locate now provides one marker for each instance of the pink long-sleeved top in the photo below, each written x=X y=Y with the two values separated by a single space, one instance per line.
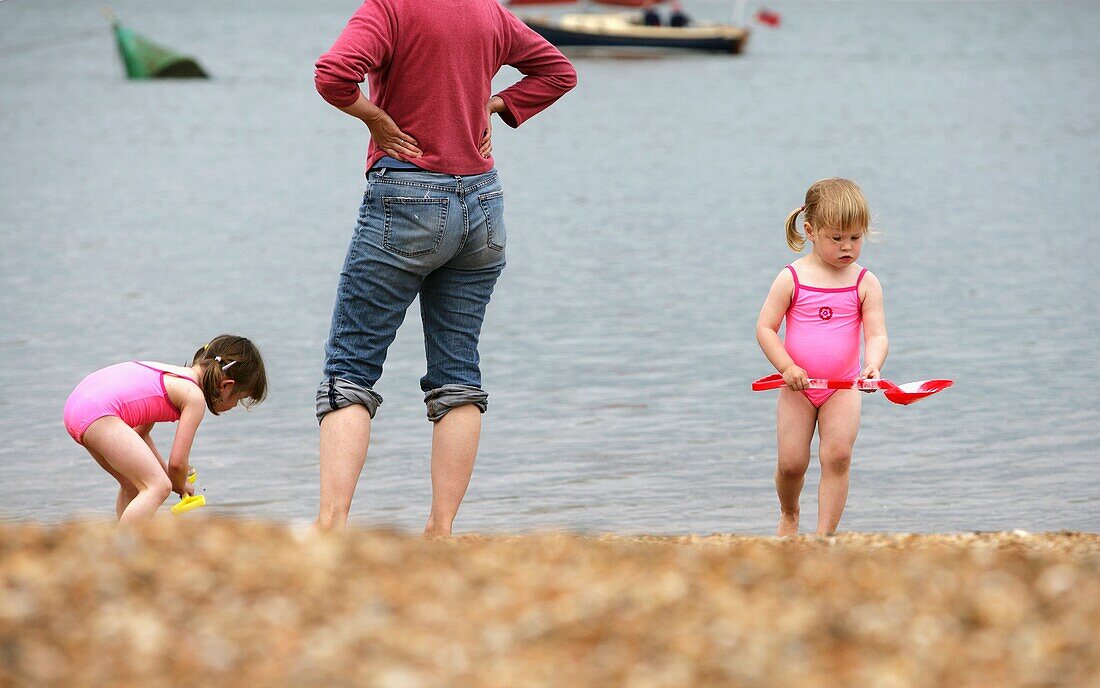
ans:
x=430 y=65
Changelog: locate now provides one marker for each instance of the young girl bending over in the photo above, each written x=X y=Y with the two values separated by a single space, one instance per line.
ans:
x=826 y=297
x=112 y=411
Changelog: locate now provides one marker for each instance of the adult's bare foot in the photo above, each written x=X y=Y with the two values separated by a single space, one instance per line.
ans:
x=788 y=524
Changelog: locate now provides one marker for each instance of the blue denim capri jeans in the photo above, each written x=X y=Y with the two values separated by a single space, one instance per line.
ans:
x=437 y=236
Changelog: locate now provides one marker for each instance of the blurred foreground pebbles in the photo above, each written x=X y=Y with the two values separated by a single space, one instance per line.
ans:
x=229 y=603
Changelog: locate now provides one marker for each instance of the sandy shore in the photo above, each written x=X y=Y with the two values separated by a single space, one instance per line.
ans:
x=206 y=602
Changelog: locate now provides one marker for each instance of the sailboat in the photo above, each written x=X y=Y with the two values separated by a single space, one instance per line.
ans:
x=623 y=29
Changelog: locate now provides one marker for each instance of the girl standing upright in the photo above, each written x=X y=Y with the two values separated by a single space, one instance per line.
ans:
x=826 y=299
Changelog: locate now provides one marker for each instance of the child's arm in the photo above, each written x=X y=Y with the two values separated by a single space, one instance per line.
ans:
x=191 y=413
x=875 y=343
x=767 y=331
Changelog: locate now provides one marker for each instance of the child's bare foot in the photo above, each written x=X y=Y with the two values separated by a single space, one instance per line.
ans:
x=788 y=524
x=436 y=530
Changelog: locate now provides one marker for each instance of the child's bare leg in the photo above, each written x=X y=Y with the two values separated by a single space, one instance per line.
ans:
x=129 y=456
x=837 y=425
x=126 y=494
x=795 y=419
x=345 y=437
x=126 y=490
x=454 y=447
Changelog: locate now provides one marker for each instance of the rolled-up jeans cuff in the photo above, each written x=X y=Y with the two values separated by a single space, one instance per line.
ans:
x=442 y=400
x=336 y=393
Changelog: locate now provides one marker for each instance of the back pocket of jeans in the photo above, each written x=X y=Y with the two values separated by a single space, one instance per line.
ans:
x=492 y=204
x=413 y=226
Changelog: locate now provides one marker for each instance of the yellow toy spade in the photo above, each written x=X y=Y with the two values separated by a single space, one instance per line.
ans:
x=191 y=502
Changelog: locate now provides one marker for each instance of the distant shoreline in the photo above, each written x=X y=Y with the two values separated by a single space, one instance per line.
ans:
x=230 y=602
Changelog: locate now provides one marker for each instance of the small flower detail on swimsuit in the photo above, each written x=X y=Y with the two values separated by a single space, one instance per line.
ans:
x=825 y=313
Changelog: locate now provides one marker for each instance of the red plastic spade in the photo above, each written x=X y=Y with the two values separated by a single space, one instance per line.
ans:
x=903 y=394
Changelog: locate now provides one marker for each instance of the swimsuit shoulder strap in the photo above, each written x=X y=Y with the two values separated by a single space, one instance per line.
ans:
x=860 y=278
x=169 y=372
x=183 y=377
x=794 y=296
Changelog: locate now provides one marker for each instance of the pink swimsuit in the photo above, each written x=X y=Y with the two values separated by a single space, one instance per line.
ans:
x=823 y=333
x=132 y=391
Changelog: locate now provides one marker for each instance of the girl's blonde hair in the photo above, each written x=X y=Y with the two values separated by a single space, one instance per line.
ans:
x=229 y=357
x=833 y=203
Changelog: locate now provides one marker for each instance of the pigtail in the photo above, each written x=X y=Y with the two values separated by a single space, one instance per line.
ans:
x=794 y=237
x=211 y=377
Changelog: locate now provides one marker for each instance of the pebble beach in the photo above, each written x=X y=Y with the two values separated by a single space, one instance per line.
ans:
x=220 y=602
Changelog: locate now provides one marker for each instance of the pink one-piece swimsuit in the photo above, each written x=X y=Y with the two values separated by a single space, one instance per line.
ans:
x=132 y=391
x=823 y=333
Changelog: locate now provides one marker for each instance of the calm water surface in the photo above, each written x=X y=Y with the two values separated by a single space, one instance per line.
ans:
x=645 y=216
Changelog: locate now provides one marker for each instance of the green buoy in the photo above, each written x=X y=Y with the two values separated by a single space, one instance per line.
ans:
x=145 y=59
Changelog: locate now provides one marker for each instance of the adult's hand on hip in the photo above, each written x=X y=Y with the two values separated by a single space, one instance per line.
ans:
x=486 y=147
x=388 y=136
x=383 y=130
x=495 y=104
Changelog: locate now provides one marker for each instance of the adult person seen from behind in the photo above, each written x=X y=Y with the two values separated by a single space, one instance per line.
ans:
x=431 y=223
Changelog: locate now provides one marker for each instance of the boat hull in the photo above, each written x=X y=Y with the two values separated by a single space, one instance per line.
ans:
x=616 y=32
